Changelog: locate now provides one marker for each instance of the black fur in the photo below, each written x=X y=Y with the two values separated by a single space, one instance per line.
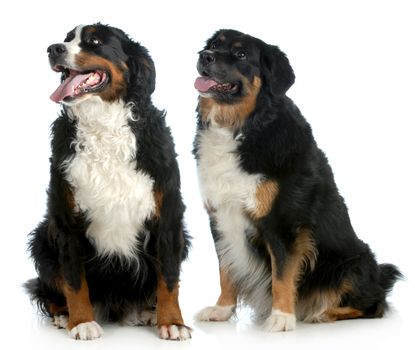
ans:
x=58 y=245
x=278 y=143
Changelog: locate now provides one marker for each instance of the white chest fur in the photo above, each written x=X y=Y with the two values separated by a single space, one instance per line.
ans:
x=230 y=191
x=116 y=198
x=221 y=178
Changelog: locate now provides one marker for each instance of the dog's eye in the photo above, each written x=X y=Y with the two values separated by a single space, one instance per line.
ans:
x=213 y=46
x=241 y=54
x=93 y=41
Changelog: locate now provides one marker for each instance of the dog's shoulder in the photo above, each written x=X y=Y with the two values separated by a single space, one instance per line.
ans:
x=155 y=147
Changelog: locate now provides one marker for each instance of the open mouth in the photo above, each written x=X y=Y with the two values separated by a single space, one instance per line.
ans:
x=206 y=84
x=76 y=83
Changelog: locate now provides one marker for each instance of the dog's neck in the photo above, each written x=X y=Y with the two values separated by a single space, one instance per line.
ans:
x=230 y=115
x=95 y=111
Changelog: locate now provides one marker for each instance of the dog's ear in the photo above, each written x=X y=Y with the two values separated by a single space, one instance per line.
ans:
x=142 y=72
x=277 y=74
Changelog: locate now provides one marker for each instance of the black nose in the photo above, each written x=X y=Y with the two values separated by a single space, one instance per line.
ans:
x=56 y=50
x=206 y=58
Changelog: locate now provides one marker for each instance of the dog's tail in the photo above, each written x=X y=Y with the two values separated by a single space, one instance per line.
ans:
x=42 y=296
x=389 y=274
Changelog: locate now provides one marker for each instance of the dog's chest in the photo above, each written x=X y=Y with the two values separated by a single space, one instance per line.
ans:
x=221 y=178
x=116 y=198
x=229 y=192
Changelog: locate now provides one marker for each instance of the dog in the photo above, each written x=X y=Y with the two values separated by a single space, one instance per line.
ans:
x=111 y=244
x=282 y=232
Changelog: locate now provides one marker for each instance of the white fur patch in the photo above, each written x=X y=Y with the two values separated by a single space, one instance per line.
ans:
x=215 y=313
x=221 y=178
x=173 y=332
x=86 y=331
x=279 y=321
x=116 y=197
x=230 y=192
x=72 y=47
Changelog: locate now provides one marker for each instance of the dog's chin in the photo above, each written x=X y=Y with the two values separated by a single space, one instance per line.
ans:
x=206 y=94
x=71 y=102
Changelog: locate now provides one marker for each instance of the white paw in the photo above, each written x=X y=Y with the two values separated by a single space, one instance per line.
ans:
x=174 y=332
x=279 y=321
x=215 y=313
x=86 y=331
x=143 y=318
x=60 y=321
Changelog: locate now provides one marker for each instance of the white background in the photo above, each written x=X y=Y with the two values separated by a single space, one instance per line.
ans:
x=354 y=62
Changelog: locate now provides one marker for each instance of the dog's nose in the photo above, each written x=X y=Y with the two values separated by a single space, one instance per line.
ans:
x=56 y=50
x=207 y=58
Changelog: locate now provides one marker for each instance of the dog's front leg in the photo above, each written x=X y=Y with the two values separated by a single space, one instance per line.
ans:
x=287 y=264
x=72 y=283
x=171 y=251
x=81 y=323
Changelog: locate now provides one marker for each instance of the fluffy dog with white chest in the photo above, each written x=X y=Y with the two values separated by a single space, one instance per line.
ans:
x=282 y=232
x=113 y=239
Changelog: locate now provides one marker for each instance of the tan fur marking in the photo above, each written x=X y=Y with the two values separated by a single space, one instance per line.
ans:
x=314 y=306
x=284 y=289
x=117 y=85
x=228 y=293
x=168 y=309
x=222 y=37
x=205 y=106
x=70 y=199
x=342 y=313
x=266 y=193
x=230 y=115
x=158 y=198
x=90 y=29
x=55 y=309
x=306 y=249
x=79 y=305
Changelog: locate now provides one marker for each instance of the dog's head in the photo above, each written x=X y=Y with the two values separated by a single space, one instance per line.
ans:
x=234 y=68
x=99 y=60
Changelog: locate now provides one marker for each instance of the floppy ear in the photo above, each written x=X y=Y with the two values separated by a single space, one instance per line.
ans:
x=142 y=72
x=277 y=73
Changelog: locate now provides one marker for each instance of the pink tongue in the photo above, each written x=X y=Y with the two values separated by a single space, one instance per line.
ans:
x=68 y=86
x=203 y=84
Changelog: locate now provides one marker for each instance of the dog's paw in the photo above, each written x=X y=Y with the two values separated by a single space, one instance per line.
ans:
x=279 y=321
x=215 y=313
x=86 y=331
x=142 y=318
x=173 y=332
x=60 y=321
x=148 y=318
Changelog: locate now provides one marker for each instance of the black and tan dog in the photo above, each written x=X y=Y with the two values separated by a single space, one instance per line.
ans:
x=113 y=240
x=281 y=230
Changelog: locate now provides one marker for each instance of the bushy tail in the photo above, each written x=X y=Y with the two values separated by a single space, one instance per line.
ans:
x=389 y=274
